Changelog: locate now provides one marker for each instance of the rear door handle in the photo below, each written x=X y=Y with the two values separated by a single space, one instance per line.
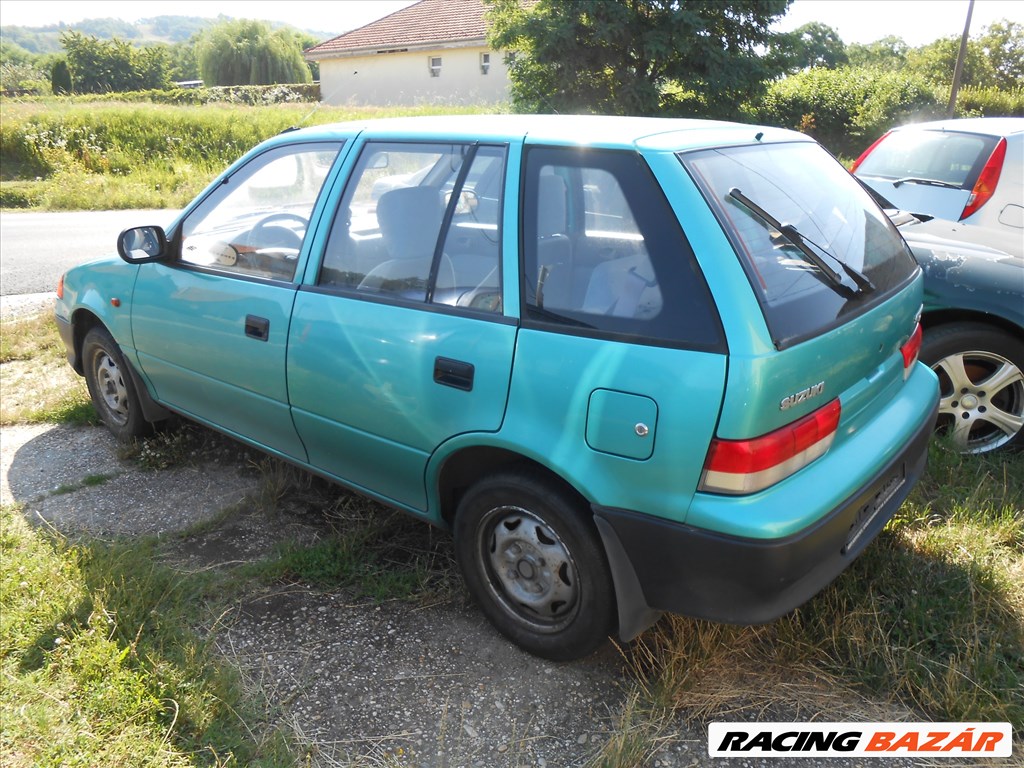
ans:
x=453 y=373
x=257 y=327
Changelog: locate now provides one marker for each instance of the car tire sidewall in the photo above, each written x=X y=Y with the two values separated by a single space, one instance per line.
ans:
x=594 y=616
x=945 y=341
x=96 y=345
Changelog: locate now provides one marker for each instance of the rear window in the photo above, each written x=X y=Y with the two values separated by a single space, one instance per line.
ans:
x=759 y=191
x=945 y=156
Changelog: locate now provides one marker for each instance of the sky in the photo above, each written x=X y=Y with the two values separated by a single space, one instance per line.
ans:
x=857 y=21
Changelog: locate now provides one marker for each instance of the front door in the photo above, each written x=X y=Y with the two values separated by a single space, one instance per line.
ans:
x=214 y=321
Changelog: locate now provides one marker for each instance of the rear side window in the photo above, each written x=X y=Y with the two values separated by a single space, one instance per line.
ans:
x=944 y=156
x=604 y=253
x=420 y=223
x=801 y=189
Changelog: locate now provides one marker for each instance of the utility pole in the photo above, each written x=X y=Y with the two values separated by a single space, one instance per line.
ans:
x=958 y=70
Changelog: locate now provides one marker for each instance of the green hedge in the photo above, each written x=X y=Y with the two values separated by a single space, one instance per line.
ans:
x=848 y=108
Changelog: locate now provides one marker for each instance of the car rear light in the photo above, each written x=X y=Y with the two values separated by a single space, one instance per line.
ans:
x=868 y=151
x=985 y=186
x=911 y=350
x=60 y=287
x=746 y=466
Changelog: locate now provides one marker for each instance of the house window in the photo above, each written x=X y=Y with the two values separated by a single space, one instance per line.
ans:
x=435 y=66
x=485 y=63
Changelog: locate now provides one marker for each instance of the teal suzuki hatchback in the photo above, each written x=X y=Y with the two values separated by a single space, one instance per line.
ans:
x=634 y=365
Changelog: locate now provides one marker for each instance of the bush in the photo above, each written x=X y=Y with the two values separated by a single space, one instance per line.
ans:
x=848 y=108
x=990 y=102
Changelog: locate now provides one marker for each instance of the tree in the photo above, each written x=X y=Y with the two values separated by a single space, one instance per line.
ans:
x=60 y=78
x=635 y=56
x=937 y=60
x=888 y=53
x=246 y=52
x=102 y=66
x=812 y=45
x=1003 y=44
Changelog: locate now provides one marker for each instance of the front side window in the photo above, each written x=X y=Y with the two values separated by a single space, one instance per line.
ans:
x=604 y=253
x=420 y=223
x=254 y=223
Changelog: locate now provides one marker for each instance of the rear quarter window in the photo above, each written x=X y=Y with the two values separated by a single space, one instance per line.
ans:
x=799 y=184
x=604 y=254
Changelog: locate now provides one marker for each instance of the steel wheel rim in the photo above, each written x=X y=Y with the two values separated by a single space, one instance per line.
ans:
x=111 y=387
x=528 y=569
x=981 y=403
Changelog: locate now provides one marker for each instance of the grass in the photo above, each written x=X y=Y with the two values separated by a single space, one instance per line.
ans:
x=36 y=383
x=60 y=155
x=100 y=667
x=102 y=663
x=930 y=618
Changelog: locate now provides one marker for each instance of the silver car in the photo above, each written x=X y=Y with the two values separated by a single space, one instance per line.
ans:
x=967 y=171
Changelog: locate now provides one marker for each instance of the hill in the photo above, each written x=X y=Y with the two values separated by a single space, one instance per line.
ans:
x=159 y=29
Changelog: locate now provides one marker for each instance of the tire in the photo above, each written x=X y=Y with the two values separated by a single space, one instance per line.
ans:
x=532 y=559
x=981 y=383
x=111 y=387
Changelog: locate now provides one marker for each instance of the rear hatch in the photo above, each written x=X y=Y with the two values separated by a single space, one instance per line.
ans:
x=931 y=172
x=840 y=294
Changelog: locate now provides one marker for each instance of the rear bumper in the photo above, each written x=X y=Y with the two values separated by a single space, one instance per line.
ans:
x=700 y=573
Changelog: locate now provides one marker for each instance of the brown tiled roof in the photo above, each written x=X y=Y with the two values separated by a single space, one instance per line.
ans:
x=425 y=22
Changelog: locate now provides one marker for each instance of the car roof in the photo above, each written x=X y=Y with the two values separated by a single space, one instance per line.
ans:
x=577 y=130
x=989 y=126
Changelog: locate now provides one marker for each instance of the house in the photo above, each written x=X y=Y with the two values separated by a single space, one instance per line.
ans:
x=431 y=52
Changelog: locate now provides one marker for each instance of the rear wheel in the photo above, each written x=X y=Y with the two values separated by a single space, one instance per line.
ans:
x=111 y=387
x=532 y=559
x=981 y=383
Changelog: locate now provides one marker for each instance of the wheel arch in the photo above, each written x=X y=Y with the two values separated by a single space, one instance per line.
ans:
x=468 y=464
x=937 y=318
x=84 y=320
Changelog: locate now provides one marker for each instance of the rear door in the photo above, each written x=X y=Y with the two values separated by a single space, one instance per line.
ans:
x=402 y=342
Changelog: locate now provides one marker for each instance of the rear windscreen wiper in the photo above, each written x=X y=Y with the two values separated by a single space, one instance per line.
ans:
x=929 y=182
x=803 y=245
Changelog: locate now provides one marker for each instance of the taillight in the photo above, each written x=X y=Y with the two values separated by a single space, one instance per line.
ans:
x=868 y=151
x=60 y=287
x=746 y=466
x=985 y=186
x=910 y=351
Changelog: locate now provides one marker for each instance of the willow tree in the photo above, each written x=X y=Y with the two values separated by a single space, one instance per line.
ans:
x=246 y=52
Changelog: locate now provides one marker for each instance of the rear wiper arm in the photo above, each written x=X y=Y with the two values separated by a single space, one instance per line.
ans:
x=929 y=182
x=791 y=234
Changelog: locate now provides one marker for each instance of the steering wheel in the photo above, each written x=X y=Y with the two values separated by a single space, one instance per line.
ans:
x=282 y=237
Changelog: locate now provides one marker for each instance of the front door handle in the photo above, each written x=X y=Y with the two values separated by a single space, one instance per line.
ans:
x=257 y=327
x=453 y=373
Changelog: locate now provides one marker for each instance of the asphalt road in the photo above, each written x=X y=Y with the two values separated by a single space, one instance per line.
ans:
x=36 y=248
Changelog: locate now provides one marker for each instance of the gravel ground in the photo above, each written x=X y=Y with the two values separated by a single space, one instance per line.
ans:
x=360 y=684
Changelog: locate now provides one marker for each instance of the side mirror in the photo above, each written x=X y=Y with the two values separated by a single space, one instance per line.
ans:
x=139 y=245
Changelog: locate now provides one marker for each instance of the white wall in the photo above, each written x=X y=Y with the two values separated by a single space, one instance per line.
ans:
x=388 y=79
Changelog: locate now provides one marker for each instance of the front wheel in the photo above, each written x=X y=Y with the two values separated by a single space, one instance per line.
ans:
x=981 y=382
x=532 y=559
x=111 y=387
